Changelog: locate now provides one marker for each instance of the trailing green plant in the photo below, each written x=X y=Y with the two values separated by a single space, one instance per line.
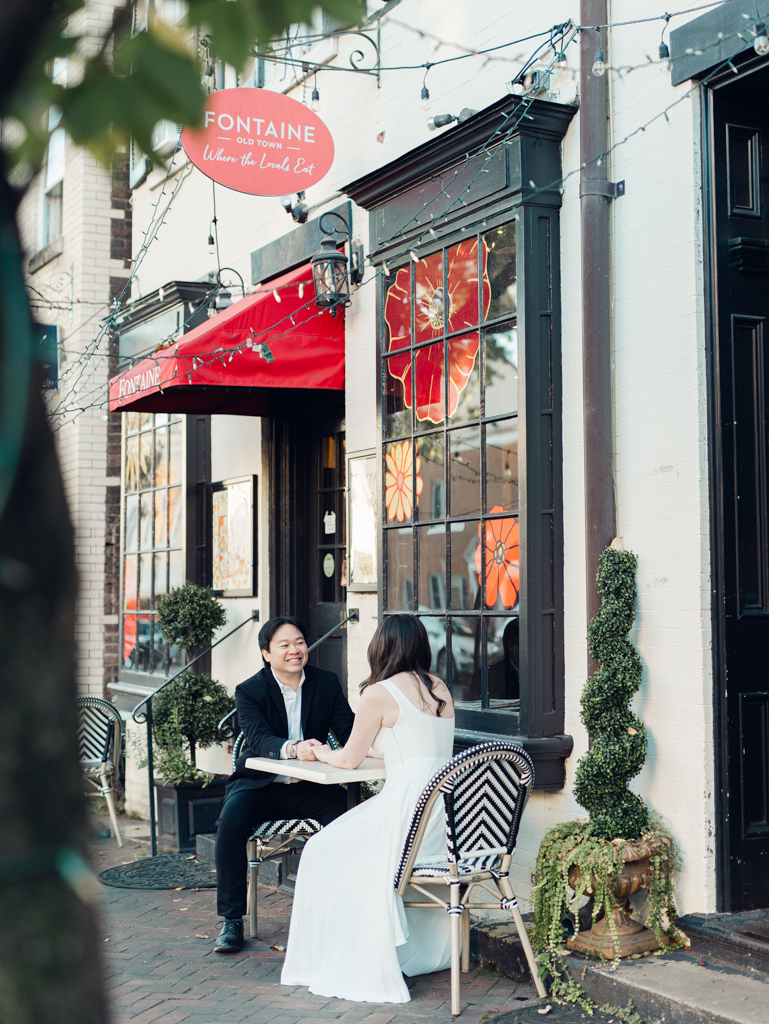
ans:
x=191 y=707
x=170 y=759
x=189 y=616
x=617 y=737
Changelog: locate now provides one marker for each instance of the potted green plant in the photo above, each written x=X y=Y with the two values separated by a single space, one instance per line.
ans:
x=622 y=848
x=186 y=714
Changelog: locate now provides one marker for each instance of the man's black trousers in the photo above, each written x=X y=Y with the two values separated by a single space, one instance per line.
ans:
x=246 y=809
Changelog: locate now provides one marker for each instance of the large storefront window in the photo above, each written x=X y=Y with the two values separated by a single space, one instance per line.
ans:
x=153 y=530
x=450 y=474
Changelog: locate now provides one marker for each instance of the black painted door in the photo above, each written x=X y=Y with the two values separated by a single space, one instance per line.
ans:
x=740 y=137
x=308 y=529
x=326 y=565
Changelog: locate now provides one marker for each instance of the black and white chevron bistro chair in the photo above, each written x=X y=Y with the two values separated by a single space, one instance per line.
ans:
x=98 y=737
x=484 y=792
x=272 y=840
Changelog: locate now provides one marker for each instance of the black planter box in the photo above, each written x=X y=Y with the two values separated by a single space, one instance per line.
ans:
x=186 y=809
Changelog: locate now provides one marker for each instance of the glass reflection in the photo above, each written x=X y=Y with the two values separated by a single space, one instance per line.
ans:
x=500 y=351
x=433 y=499
x=396 y=400
x=464 y=379
x=500 y=266
x=430 y=397
x=129 y=641
x=399 y=595
x=465 y=656
x=145 y=581
x=175 y=569
x=502 y=464
x=129 y=582
x=465 y=471
x=431 y=547
x=174 y=517
x=131 y=522
x=161 y=457
x=145 y=521
x=503 y=657
x=175 y=468
x=160 y=574
x=161 y=518
x=435 y=627
x=465 y=590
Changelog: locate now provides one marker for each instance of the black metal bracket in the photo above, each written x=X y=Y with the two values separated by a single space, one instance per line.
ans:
x=599 y=187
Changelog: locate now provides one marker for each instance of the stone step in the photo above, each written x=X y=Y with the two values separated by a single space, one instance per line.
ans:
x=684 y=987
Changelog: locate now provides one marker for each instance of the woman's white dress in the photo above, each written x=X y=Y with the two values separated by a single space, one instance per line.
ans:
x=350 y=934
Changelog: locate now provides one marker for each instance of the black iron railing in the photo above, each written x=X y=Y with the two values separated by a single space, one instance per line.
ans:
x=140 y=717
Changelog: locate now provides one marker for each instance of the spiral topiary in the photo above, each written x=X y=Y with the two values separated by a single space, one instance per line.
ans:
x=617 y=737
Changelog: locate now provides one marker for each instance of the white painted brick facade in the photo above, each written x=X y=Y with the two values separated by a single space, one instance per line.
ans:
x=82 y=273
x=658 y=385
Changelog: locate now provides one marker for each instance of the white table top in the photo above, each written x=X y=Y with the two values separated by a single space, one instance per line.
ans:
x=318 y=771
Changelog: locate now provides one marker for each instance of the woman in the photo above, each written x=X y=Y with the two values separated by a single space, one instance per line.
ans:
x=350 y=934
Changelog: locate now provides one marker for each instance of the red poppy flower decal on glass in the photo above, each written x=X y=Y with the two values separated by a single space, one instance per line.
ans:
x=457 y=309
x=399 y=490
x=500 y=561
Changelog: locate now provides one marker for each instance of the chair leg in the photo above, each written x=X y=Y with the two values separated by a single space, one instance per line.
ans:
x=253 y=875
x=523 y=935
x=455 y=916
x=466 y=940
x=107 y=793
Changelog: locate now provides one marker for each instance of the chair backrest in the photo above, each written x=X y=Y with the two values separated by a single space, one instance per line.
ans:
x=484 y=792
x=98 y=730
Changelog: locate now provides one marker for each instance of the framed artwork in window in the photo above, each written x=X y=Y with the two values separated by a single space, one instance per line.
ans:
x=233 y=537
x=362 y=516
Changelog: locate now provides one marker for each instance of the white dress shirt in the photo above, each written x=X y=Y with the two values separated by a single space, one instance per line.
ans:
x=293 y=701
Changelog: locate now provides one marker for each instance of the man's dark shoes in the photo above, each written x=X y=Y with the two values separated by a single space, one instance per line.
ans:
x=230 y=938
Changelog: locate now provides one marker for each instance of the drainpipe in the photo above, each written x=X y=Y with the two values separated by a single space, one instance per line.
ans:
x=595 y=192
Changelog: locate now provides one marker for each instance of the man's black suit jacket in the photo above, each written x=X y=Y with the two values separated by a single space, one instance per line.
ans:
x=262 y=717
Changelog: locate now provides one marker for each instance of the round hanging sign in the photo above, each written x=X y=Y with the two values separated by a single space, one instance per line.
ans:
x=260 y=142
x=328 y=565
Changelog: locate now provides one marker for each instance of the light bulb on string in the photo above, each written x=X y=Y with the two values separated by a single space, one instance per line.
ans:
x=760 y=40
x=599 y=64
x=425 y=98
x=315 y=97
x=211 y=245
x=664 y=50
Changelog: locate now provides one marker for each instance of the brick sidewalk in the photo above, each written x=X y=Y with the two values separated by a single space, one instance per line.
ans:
x=162 y=968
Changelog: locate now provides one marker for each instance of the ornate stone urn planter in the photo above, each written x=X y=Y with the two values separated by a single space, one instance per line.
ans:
x=631 y=936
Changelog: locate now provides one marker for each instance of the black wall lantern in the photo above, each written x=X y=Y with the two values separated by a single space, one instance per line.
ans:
x=332 y=272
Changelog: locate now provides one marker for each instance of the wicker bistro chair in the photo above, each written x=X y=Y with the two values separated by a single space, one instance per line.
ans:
x=484 y=792
x=98 y=737
x=272 y=840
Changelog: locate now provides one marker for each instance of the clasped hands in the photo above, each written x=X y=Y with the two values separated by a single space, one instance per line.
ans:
x=311 y=750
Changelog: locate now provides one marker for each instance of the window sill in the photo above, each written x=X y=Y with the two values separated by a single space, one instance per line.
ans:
x=43 y=256
x=549 y=753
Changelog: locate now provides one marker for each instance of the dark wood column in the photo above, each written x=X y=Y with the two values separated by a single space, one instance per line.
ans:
x=596 y=322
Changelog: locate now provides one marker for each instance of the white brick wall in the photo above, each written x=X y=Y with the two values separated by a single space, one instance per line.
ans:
x=659 y=380
x=81 y=272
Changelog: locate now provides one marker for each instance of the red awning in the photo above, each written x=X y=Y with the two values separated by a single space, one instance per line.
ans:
x=211 y=369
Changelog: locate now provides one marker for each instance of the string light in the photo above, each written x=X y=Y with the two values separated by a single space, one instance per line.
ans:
x=599 y=64
x=760 y=40
x=315 y=98
x=425 y=94
x=664 y=51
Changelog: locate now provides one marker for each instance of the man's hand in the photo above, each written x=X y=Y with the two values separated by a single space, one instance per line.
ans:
x=322 y=751
x=305 y=750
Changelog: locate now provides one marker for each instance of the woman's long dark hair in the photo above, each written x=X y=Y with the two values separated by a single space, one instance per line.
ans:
x=400 y=644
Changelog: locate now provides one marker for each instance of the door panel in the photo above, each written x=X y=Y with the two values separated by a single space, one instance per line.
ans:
x=740 y=134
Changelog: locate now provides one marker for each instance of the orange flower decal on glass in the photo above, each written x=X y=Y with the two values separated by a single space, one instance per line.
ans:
x=501 y=560
x=399 y=489
x=455 y=310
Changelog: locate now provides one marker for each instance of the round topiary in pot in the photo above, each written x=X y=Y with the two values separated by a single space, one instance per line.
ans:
x=189 y=616
x=192 y=706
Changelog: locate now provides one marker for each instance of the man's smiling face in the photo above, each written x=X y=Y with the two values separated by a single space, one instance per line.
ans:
x=288 y=651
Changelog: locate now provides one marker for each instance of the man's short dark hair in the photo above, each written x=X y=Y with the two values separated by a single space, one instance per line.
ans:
x=271 y=627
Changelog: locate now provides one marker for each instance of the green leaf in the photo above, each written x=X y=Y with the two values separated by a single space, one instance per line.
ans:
x=235 y=26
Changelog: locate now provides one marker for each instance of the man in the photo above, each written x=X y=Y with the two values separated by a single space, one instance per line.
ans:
x=284 y=710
